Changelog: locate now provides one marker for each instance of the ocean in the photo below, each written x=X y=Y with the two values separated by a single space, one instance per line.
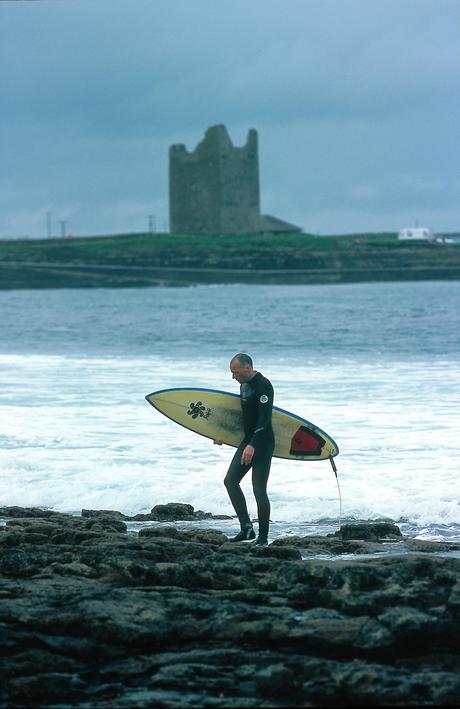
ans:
x=377 y=366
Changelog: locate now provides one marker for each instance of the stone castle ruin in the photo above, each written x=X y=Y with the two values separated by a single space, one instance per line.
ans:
x=215 y=189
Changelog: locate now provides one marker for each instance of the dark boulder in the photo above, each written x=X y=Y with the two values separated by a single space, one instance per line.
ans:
x=174 y=511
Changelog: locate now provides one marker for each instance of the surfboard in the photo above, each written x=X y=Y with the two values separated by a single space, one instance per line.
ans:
x=217 y=415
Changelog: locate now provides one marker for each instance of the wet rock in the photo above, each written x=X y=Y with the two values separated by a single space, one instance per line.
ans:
x=272 y=551
x=356 y=538
x=315 y=545
x=91 y=616
x=423 y=546
x=106 y=524
x=45 y=687
x=454 y=598
x=276 y=681
x=177 y=511
x=205 y=536
x=104 y=514
x=172 y=511
x=368 y=531
x=27 y=512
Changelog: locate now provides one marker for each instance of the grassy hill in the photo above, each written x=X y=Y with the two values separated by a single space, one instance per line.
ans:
x=144 y=259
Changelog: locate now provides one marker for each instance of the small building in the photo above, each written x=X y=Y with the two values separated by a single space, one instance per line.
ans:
x=273 y=225
x=416 y=234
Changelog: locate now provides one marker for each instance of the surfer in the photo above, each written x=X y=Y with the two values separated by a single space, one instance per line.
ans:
x=255 y=450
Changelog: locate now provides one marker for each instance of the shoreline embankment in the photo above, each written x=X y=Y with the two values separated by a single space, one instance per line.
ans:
x=153 y=260
x=21 y=276
x=93 y=615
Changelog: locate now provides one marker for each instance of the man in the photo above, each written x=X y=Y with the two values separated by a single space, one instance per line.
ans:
x=255 y=450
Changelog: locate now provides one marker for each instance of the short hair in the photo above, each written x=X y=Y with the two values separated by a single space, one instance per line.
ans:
x=243 y=359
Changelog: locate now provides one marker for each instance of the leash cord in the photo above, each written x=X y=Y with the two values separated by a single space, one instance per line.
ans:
x=334 y=468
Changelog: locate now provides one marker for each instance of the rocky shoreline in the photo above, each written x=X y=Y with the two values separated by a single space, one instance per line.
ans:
x=92 y=615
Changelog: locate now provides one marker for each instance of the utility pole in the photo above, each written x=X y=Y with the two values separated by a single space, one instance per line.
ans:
x=152 y=223
x=48 y=224
x=63 y=225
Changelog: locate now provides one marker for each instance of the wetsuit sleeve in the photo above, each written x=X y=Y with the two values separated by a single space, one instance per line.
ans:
x=264 y=412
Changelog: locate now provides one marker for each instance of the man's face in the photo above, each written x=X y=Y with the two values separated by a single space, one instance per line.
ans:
x=242 y=373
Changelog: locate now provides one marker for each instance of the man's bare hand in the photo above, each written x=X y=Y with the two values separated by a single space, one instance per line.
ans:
x=248 y=454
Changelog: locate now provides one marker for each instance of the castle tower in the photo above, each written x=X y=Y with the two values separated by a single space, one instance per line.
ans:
x=215 y=189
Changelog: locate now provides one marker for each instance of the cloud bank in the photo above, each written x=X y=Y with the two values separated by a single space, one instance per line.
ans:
x=356 y=105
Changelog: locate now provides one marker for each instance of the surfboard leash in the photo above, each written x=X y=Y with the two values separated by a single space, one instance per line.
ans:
x=334 y=468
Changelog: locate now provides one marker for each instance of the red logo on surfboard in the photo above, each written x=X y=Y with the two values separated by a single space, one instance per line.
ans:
x=306 y=442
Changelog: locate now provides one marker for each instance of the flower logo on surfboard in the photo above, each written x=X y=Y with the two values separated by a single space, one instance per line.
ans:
x=198 y=410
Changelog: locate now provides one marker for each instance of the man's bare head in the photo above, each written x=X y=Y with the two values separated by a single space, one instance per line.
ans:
x=241 y=367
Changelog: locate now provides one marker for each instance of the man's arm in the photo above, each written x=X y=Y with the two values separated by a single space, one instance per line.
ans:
x=264 y=411
x=264 y=417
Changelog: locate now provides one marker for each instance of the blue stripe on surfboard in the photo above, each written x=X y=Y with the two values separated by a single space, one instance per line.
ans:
x=229 y=393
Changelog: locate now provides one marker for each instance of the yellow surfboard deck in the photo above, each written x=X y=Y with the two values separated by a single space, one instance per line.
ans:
x=217 y=415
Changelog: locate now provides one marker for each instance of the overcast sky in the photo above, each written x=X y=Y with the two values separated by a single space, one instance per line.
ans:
x=356 y=103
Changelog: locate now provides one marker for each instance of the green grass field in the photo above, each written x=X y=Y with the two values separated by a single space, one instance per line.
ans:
x=134 y=248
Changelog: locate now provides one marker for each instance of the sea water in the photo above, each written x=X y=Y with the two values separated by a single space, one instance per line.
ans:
x=377 y=366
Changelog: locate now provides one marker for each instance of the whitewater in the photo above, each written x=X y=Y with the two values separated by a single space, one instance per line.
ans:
x=377 y=366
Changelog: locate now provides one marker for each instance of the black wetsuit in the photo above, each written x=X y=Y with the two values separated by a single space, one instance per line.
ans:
x=256 y=404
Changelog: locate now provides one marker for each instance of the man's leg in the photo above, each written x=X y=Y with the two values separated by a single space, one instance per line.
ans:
x=236 y=473
x=260 y=473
